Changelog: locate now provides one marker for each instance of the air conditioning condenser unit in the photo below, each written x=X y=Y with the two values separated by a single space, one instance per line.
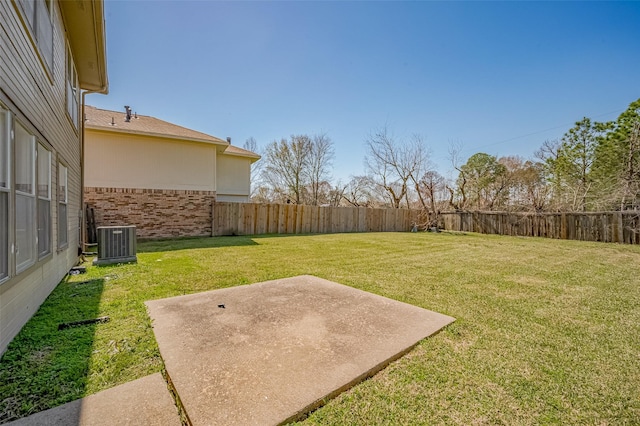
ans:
x=116 y=244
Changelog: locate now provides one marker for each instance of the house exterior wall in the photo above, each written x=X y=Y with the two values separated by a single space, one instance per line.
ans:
x=120 y=160
x=156 y=213
x=226 y=198
x=234 y=178
x=35 y=98
x=162 y=186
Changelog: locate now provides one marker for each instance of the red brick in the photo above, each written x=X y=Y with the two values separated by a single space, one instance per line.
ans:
x=156 y=213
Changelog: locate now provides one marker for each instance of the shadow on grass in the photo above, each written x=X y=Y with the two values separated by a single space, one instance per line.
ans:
x=154 y=246
x=54 y=363
x=187 y=243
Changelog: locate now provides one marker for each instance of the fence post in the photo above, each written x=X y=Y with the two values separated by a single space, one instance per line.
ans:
x=618 y=228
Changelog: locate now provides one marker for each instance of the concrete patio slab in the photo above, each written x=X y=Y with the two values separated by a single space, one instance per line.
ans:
x=270 y=352
x=145 y=401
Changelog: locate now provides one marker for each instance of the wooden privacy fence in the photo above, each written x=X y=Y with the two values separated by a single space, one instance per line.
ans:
x=255 y=219
x=615 y=227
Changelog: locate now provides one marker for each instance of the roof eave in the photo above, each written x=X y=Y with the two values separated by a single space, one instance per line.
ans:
x=156 y=135
x=84 y=22
x=253 y=157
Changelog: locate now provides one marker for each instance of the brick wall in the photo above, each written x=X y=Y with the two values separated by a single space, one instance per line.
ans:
x=157 y=213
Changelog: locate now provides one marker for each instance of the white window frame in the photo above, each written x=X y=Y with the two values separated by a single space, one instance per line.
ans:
x=63 y=201
x=26 y=195
x=38 y=17
x=5 y=193
x=26 y=240
x=43 y=191
x=73 y=89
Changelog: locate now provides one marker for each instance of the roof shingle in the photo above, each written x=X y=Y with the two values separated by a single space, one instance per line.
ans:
x=115 y=121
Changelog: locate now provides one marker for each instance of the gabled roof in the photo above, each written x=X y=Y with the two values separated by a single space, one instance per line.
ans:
x=115 y=121
x=239 y=152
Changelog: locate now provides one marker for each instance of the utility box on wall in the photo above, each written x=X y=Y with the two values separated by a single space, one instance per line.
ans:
x=116 y=244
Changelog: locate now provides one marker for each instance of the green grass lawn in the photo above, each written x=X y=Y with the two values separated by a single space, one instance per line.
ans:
x=547 y=331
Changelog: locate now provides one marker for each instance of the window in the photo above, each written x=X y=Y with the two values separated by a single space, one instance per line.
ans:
x=25 y=198
x=44 y=201
x=37 y=15
x=73 y=92
x=4 y=193
x=63 y=237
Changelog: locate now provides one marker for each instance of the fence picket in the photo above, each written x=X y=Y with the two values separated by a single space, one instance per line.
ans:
x=247 y=219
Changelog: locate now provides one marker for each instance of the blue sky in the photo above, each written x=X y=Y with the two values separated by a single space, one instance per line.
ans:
x=495 y=77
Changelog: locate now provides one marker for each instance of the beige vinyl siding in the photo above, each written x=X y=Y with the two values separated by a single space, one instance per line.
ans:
x=234 y=183
x=37 y=99
x=120 y=160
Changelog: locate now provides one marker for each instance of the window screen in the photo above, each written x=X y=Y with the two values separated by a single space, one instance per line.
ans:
x=63 y=238
x=4 y=194
x=44 y=201
x=25 y=217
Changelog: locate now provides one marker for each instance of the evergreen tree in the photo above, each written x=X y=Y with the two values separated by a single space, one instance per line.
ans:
x=617 y=161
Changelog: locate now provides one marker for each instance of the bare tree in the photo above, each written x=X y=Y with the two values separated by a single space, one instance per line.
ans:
x=358 y=192
x=431 y=190
x=432 y=185
x=415 y=164
x=286 y=166
x=380 y=162
x=524 y=185
x=320 y=161
x=336 y=194
x=395 y=167
x=256 y=167
x=329 y=195
x=457 y=194
x=265 y=194
x=550 y=149
x=298 y=170
x=549 y=154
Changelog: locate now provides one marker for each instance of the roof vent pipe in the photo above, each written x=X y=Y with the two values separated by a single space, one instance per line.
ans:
x=128 y=119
